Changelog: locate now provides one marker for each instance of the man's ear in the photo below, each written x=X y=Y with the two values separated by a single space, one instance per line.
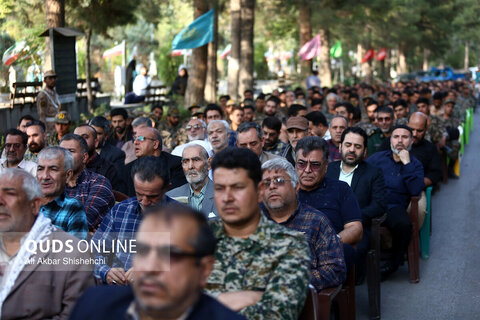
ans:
x=206 y=264
x=69 y=175
x=85 y=158
x=209 y=163
x=35 y=205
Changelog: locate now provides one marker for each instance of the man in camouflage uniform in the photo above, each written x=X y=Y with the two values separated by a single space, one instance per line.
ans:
x=171 y=129
x=63 y=122
x=261 y=269
x=48 y=103
x=385 y=119
x=464 y=101
x=451 y=124
x=436 y=132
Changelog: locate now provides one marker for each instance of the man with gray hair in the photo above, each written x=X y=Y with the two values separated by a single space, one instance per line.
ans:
x=249 y=135
x=280 y=204
x=332 y=100
x=30 y=288
x=218 y=135
x=197 y=132
x=199 y=189
x=129 y=146
x=55 y=168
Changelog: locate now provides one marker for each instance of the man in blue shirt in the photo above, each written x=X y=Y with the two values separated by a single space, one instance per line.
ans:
x=55 y=167
x=332 y=197
x=403 y=179
x=281 y=205
x=151 y=182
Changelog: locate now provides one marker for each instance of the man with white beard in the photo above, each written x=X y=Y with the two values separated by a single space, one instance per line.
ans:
x=198 y=191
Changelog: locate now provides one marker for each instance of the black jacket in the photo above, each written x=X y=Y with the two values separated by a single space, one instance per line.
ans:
x=115 y=155
x=102 y=166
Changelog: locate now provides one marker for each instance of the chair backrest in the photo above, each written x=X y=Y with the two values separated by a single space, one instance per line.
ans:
x=311 y=309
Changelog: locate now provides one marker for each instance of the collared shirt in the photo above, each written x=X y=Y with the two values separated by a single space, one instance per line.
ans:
x=278 y=149
x=328 y=263
x=273 y=259
x=94 y=191
x=196 y=200
x=334 y=153
x=120 y=223
x=132 y=312
x=401 y=181
x=67 y=214
x=346 y=177
x=336 y=200
x=29 y=166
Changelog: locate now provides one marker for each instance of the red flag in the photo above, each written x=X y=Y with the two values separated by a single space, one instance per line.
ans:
x=310 y=49
x=381 y=54
x=369 y=55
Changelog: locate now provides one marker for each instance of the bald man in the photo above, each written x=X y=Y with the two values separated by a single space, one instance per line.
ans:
x=424 y=150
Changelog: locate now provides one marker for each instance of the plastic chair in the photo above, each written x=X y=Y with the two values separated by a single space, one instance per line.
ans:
x=466 y=128
x=425 y=232
x=471 y=119
x=311 y=309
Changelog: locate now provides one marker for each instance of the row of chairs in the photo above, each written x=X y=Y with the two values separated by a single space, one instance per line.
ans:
x=319 y=305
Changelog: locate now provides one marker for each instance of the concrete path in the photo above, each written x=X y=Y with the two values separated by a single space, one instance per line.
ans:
x=449 y=285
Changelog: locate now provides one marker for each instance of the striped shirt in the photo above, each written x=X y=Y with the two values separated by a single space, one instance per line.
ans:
x=67 y=214
x=121 y=223
x=94 y=191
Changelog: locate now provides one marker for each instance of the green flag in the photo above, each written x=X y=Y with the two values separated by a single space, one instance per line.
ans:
x=336 y=50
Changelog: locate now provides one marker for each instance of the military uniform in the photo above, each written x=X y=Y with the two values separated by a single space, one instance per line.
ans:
x=30 y=156
x=436 y=130
x=453 y=145
x=278 y=149
x=48 y=106
x=274 y=260
x=172 y=136
x=375 y=140
x=462 y=104
x=401 y=121
x=367 y=126
x=52 y=140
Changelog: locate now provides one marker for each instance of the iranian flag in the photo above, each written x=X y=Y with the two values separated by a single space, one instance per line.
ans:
x=13 y=53
x=113 y=52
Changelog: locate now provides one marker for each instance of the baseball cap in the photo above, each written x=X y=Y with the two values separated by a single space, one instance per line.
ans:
x=297 y=123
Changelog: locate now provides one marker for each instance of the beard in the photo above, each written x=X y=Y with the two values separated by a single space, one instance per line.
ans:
x=196 y=176
x=35 y=147
x=397 y=151
x=353 y=162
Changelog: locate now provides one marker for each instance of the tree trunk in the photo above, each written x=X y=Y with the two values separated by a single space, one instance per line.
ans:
x=211 y=81
x=234 y=61
x=55 y=12
x=467 y=49
x=196 y=80
x=88 y=80
x=402 y=60
x=245 y=75
x=426 y=53
x=305 y=31
x=325 y=70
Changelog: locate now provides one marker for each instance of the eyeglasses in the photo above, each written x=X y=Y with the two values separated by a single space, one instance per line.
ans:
x=314 y=166
x=15 y=146
x=142 y=138
x=276 y=182
x=165 y=252
x=194 y=127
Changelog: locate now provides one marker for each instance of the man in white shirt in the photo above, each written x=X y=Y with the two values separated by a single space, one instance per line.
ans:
x=140 y=85
x=15 y=148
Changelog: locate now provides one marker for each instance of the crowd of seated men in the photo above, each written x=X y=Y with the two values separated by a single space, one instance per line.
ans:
x=234 y=209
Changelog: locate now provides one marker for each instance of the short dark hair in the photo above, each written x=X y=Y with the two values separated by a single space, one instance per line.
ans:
x=245 y=126
x=317 y=117
x=101 y=122
x=402 y=126
x=79 y=139
x=437 y=96
x=346 y=105
x=249 y=106
x=424 y=100
x=371 y=102
x=381 y=93
x=316 y=101
x=16 y=132
x=272 y=123
x=248 y=90
x=312 y=143
x=204 y=241
x=274 y=99
x=400 y=102
x=215 y=107
x=294 y=109
x=150 y=167
x=396 y=93
x=156 y=106
x=226 y=96
x=26 y=117
x=89 y=126
x=356 y=130
x=37 y=123
x=119 y=112
x=385 y=109
x=234 y=158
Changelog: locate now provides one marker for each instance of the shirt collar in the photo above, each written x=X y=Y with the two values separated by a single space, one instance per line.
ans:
x=202 y=192
x=290 y=218
x=133 y=314
x=347 y=174
x=260 y=235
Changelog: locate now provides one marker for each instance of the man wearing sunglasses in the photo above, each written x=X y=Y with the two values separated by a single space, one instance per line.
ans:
x=174 y=256
x=332 y=197
x=384 y=119
x=148 y=142
x=281 y=205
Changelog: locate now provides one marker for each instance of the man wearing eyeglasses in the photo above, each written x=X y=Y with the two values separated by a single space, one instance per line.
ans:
x=15 y=148
x=174 y=256
x=196 y=131
x=384 y=119
x=148 y=142
x=332 y=197
x=281 y=205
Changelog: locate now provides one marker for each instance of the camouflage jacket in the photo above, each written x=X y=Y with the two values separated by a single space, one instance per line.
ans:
x=451 y=122
x=375 y=140
x=278 y=149
x=436 y=130
x=274 y=260
x=52 y=140
x=368 y=127
x=30 y=156
x=172 y=136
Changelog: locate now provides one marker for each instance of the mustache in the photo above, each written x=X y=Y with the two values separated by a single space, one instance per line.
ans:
x=152 y=280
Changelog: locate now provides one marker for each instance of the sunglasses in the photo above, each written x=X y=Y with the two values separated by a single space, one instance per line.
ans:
x=314 y=166
x=166 y=252
x=142 y=138
x=276 y=182
x=194 y=127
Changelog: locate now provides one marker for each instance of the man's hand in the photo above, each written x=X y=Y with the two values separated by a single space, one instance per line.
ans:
x=130 y=275
x=404 y=156
x=239 y=300
x=116 y=276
